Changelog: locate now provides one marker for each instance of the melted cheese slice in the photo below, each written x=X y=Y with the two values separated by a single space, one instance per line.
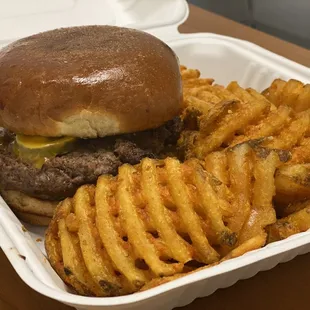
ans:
x=36 y=149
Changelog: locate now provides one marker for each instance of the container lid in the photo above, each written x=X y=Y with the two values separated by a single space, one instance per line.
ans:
x=20 y=18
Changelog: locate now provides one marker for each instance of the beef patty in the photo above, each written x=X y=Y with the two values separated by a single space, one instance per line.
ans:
x=60 y=176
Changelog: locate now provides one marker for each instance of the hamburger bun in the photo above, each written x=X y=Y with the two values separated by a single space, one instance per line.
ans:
x=30 y=210
x=33 y=219
x=88 y=82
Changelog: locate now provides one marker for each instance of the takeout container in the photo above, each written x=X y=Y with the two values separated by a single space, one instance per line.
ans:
x=219 y=57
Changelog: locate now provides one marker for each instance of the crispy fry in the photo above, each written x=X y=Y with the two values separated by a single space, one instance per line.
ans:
x=294 y=223
x=240 y=171
x=188 y=74
x=197 y=104
x=272 y=93
x=303 y=100
x=201 y=92
x=194 y=82
x=209 y=121
x=292 y=93
x=239 y=92
x=212 y=205
x=135 y=226
x=115 y=247
x=148 y=222
x=284 y=120
x=269 y=126
x=221 y=120
x=226 y=128
x=53 y=248
x=181 y=197
x=292 y=183
x=222 y=93
x=160 y=215
x=262 y=210
x=216 y=164
x=301 y=153
x=96 y=259
x=291 y=135
x=251 y=244
x=294 y=207
x=72 y=256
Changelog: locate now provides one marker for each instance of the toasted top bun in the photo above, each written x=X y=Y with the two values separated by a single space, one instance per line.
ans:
x=88 y=82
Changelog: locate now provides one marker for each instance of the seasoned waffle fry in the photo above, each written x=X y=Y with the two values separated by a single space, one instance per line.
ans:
x=53 y=248
x=72 y=256
x=212 y=205
x=240 y=174
x=293 y=207
x=111 y=237
x=190 y=83
x=180 y=194
x=269 y=126
x=225 y=129
x=292 y=93
x=216 y=164
x=96 y=259
x=292 y=134
x=222 y=117
x=188 y=74
x=248 y=171
x=148 y=222
x=262 y=211
x=301 y=153
x=250 y=245
x=218 y=124
x=239 y=92
x=272 y=93
x=160 y=215
x=209 y=121
x=294 y=223
x=292 y=183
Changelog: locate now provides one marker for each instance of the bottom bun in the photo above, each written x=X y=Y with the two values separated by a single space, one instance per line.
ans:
x=30 y=209
x=33 y=219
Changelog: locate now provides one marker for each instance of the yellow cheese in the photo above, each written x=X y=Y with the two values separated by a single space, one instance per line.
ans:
x=36 y=149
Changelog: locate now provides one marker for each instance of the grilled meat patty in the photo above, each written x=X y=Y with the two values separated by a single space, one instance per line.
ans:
x=91 y=158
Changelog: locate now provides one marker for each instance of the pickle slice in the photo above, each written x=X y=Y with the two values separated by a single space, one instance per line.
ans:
x=36 y=149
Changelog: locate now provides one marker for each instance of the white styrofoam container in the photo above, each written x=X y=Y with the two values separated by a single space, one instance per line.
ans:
x=222 y=58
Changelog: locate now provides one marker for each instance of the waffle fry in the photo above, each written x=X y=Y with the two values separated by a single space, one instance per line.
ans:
x=269 y=126
x=292 y=224
x=146 y=223
x=214 y=113
x=301 y=153
x=240 y=174
x=248 y=171
x=292 y=184
x=262 y=210
x=292 y=134
x=216 y=117
x=293 y=207
x=291 y=93
x=250 y=245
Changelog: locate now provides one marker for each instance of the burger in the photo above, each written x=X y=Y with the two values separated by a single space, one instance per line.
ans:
x=76 y=103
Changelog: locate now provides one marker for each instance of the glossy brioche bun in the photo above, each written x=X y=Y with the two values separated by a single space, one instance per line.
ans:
x=88 y=82
x=28 y=209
